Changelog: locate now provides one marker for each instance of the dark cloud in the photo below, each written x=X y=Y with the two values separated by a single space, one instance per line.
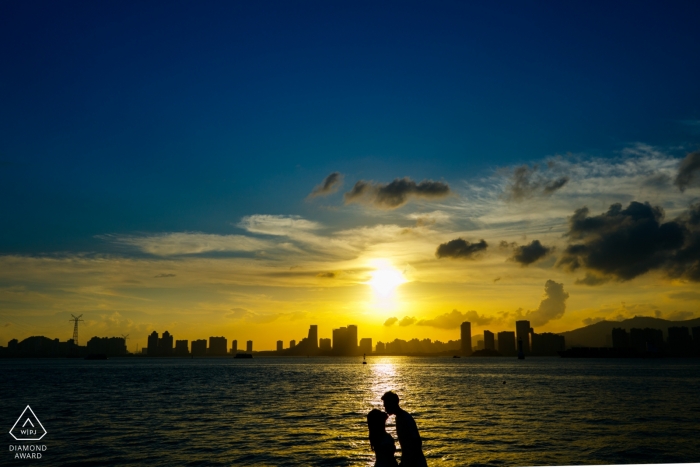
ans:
x=684 y=295
x=591 y=279
x=460 y=248
x=454 y=318
x=624 y=243
x=327 y=275
x=659 y=181
x=396 y=193
x=680 y=315
x=166 y=275
x=528 y=254
x=330 y=185
x=687 y=171
x=7 y=325
x=527 y=182
x=391 y=321
x=552 y=306
x=407 y=321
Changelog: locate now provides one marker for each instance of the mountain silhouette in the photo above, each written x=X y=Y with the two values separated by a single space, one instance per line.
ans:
x=600 y=333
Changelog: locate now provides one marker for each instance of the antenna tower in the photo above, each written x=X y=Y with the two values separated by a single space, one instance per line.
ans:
x=75 y=328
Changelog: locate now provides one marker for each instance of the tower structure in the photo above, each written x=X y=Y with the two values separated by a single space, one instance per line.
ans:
x=75 y=319
x=466 y=338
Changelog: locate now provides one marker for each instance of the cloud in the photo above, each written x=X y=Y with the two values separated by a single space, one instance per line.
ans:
x=460 y=248
x=188 y=243
x=528 y=254
x=685 y=295
x=687 y=171
x=680 y=315
x=277 y=225
x=454 y=319
x=527 y=182
x=625 y=243
x=239 y=313
x=330 y=185
x=407 y=321
x=589 y=321
x=396 y=193
x=552 y=306
x=327 y=275
x=7 y=325
x=592 y=279
x=391 y=321
x=165 y=275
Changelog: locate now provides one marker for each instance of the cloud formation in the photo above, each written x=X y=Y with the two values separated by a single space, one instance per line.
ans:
x=277 y=225
x=396 y=193
x=460 y=248
x=407 y=321
x=190 y=243
x=330 y=185
x=688 y=170
x=625 y=243
x=527 y=182
x=165 y=275
x=454 y=319
x=552 y=306
x=391 y=321
x=528 y=254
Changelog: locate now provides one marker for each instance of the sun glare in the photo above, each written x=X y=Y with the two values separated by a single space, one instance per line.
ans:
x=385 y=279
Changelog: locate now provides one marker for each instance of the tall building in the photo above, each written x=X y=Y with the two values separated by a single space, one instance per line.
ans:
x=249 y=346
x=199 y=348
x=522 y=333
x=466 y=336
x=313 y=337
x=352 y=339
x=181 y=348
x=506 y=343
x=217 y=346
x=166 y=344
x=292 y=344
x=234 y=347
x=366 y=345
x=280 y=346
x=325 y=345
x=381 y=347
x=679 y=342
x=109 y=346
x=340 y=341
x=489 y=341
x=153 y=344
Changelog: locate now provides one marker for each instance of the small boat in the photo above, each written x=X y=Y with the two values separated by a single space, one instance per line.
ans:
x=364 y=359
x=456 y=356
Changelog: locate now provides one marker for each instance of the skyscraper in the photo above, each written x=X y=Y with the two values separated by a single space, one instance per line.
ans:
x=166 y=344
x=506 y=343
x=366 y=345
x=352 y=339
x=466 y=336
x=489 y=342
x=522 y=333
x=313 y=336
x=234 y=347
x=217 y=346
x=249 y=346
x=153 y=344
x=280 y=346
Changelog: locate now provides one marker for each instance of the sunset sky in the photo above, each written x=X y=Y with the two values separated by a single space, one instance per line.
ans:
x=247 y=169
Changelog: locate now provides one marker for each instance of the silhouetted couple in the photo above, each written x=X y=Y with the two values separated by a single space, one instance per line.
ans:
x=383 y=444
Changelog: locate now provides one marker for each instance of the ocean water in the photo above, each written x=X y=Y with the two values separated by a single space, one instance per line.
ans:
x=311 y=411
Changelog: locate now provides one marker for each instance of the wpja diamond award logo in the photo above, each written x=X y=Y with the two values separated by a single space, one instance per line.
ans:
x=28 y=428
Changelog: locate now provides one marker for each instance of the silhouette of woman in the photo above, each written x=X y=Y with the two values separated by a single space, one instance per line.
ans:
x=382 y=443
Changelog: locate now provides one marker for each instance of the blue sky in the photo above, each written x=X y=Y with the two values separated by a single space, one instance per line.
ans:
x=167 y=149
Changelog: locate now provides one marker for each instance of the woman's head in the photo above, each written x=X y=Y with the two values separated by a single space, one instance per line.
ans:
x=376 y=422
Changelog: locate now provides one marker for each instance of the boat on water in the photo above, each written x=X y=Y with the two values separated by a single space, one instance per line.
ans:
x=243 y=355
x=364 y=359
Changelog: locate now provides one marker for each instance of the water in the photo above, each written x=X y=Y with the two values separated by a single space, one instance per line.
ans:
x=311 y=411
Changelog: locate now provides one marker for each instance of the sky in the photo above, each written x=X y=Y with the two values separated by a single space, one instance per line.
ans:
x=247 y=169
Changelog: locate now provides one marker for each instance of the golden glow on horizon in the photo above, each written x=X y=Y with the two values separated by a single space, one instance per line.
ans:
x=385 y=279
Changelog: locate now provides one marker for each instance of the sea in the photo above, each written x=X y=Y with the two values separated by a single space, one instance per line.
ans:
x=299 y=411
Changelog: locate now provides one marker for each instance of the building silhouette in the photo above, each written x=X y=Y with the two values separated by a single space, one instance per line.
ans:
x=345 y=340
x=679 y=342
x=696 y=340
x=234 y=347
x=547 y=344
x=182 y=348
x=107 y=346
x=325 y=345
x=466 y=338
x=199 y=348
x=292 y=344
x=280 y=346
x=217 y=346
x=249 y=346
x=381 y=348
x=620 y=339
x=366 y=345
x=165 y=346
x=646 y=340
x=313 y=337
x=506 y=344
x=522 y=333
x=153 y=344
x=489 y=341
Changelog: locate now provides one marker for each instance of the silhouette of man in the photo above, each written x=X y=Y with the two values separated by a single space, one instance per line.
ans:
x=407 y=431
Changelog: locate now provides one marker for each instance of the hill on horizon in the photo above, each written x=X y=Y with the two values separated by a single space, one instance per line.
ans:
x=600 y=334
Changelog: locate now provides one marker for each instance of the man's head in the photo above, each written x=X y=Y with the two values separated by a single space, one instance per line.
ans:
x=391 y=402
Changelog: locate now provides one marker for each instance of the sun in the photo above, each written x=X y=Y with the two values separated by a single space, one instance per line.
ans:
x=385 y=279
